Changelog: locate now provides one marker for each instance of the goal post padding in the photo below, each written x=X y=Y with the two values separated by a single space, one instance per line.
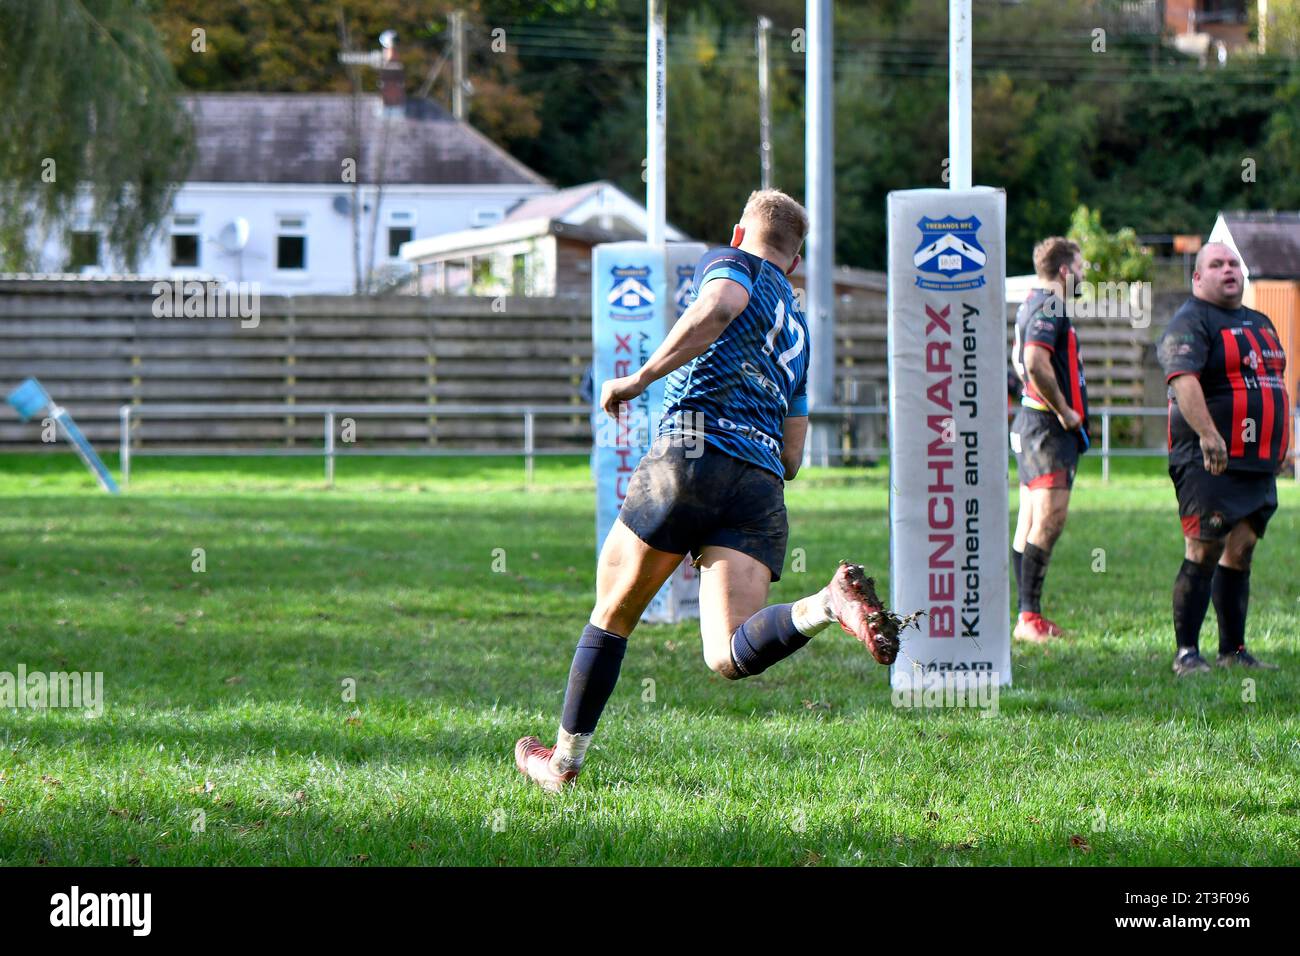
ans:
x=948 y=506
x=638 y=291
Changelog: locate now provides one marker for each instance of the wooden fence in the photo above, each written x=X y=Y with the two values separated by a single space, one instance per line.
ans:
x=96 y=347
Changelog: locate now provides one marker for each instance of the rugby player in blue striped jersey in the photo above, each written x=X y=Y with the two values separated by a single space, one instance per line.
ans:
x=712 y=486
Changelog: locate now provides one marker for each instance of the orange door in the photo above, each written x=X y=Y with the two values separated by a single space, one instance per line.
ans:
x=1280 y=301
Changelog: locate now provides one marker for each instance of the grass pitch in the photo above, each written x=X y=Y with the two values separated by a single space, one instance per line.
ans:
x=227 y=738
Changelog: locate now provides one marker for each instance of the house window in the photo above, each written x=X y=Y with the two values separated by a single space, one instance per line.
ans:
x=519 y=274
x=401 y=228
x=396 y=236
x=84 y=250
x=185 y=241
x=291 y=243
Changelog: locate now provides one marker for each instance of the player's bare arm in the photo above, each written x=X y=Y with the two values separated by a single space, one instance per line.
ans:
x=720 y=301
x=1038 y=369
x=792 y=439
x=1191 y=402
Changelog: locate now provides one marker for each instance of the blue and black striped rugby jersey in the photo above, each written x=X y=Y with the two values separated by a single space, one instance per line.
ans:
x=740 y=391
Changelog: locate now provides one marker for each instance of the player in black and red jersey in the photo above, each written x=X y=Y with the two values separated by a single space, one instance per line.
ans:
x=1229 y=418
x=1051 y=428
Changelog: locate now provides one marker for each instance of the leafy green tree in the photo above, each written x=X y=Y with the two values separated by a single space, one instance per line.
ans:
x=1280 y=157
x=1282 y=32
x=291 y=46
x=88 y=108
x=713 y=135
x=1172 y=155
x=1110 y=256
x=713 y=130
x=1062 y=115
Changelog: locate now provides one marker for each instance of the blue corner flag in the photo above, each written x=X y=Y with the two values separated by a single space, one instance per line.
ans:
x=30 y=399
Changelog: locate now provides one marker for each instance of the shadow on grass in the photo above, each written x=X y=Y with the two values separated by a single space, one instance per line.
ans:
x=517 y=825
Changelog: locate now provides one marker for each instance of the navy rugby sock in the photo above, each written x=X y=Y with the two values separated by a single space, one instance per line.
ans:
x=1192 y=589
x=1017 y=558
x=767 y=637
x=592 y=677
x=1231 y=594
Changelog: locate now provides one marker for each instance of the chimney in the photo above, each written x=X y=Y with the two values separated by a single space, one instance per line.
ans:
x=392 y=78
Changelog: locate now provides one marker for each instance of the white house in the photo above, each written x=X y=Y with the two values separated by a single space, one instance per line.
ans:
x=541 y=248
x=270 y=196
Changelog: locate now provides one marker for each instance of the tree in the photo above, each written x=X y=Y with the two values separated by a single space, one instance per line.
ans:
x=713 y=158
x=1281 y=152
x=713 y=129
x=1282 y=32
x=1072 y=102
x=1110 y=256
x=88 y=107
x=291 y=46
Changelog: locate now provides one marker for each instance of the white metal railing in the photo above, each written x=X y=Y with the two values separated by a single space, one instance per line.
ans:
x=1151 y=412
x=330 y=451
x=329 y=415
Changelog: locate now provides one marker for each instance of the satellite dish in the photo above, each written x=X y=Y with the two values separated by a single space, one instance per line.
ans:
x=234 y=235
x=342 y=205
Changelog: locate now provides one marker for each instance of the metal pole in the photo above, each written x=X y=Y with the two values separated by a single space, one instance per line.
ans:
x=656 y=120
x=329 y=449
x=1105 y=446
x=764 y=107
x=458 y=64
x=124 y=445
x=959 y=94
x=529 y=447
x=819 y=146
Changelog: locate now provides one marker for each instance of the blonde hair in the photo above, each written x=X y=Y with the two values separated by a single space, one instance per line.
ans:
x=1052 y=253
x=782 y=222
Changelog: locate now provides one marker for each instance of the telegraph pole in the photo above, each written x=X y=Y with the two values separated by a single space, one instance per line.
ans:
x=458 y=84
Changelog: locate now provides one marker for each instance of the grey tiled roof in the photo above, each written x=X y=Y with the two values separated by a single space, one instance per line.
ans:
x=1269 y=242
x=304 y=138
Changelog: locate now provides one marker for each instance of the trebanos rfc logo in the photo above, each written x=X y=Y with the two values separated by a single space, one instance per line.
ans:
x=631 y=298
x=949 y=248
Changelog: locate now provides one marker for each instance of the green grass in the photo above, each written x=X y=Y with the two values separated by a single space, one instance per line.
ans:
x=224 y=688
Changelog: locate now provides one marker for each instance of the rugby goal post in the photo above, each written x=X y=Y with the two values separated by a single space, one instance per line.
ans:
x=948 y=513
x=638 y=290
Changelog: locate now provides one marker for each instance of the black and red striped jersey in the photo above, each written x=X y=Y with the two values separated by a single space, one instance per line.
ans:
x=1239 y=360
x=1042 y=320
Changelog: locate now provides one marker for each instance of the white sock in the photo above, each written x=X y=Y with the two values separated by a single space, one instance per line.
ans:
x=570 y=751
x=812 y=614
